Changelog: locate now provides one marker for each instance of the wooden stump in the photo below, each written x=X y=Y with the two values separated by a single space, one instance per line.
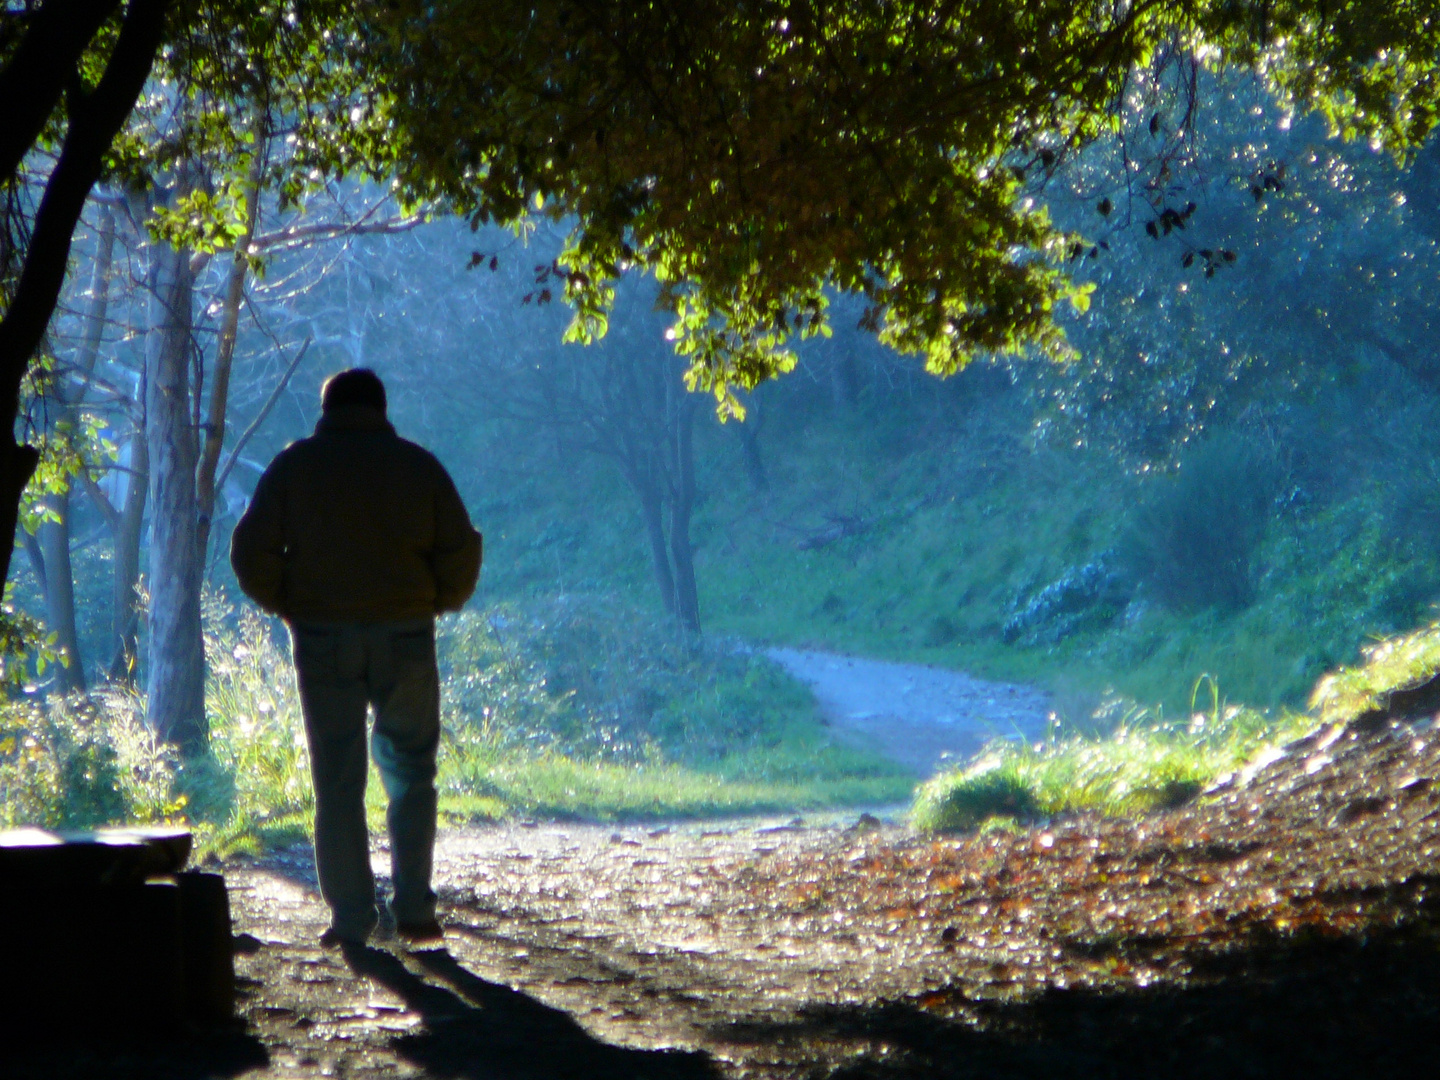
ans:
x=106 y=931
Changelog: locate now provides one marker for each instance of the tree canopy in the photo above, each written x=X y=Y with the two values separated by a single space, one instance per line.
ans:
x=754 y=155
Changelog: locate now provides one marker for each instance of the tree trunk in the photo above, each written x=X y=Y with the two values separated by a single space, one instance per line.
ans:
x=54 y=535
x=652 y=509
x=844 y=378
x=54 y=541
x=17 y=465
x=44 y=64
x=125 y=604
x=125 y=527
x=749 y=430
x=225 y=354
x=682 y=407
x=175 y=683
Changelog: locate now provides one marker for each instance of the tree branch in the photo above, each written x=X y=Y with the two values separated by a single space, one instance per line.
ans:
x=94 y=122
x=31 y=84
x=234 y=455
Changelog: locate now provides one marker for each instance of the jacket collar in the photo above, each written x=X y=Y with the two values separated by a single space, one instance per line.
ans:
x=353 y=418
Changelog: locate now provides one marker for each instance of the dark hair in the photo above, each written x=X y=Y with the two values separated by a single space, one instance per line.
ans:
x=357 y=386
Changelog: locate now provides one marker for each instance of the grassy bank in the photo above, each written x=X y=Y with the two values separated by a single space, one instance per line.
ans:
x=734 y=736
x=941 y=527
x=1145 y=762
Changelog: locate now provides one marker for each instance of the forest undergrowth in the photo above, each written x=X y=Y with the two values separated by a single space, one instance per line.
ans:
x=574 y=708
x=581 y=709
x=972 y=544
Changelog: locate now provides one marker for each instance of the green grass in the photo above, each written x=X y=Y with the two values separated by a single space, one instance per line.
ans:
x=563 y=788
x=1147 y=762
x=1144 y=764
x=1398 y=663
x=565 y=708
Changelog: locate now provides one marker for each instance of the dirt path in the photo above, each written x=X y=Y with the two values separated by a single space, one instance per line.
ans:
x=917 y=715
x=1285 y=927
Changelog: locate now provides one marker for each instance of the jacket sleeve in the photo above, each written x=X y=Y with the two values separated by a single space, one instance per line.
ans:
x=257 y=546
x=455 y=558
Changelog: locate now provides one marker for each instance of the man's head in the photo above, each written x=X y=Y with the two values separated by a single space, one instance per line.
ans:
x=357 y=386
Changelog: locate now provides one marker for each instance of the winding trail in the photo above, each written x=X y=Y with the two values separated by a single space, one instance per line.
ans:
x=916 y=715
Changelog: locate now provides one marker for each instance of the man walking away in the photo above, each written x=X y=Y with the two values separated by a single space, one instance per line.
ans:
x=358 y=539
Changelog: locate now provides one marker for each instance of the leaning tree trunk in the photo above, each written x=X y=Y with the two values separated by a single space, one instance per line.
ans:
x=225 y=354
x=42 y=66
x=175 y=682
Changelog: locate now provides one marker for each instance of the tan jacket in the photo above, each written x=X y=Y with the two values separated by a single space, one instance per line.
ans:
x=355 y=524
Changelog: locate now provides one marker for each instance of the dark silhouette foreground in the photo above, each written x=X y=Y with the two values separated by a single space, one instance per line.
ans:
x=1323 y=1009
x=358 y=539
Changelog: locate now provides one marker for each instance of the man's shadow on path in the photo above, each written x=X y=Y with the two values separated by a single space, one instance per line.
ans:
x=480 y=1030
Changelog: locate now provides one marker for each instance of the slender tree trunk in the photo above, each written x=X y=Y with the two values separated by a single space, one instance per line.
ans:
x=224 y=355
x=125 y=527
x=844 y=378
x=749 y=430
x=175 y=683
x=682 y=407
x=54 y=541
x=54 y=535
x=125 y=603
x=653 y=511
x=37 y=559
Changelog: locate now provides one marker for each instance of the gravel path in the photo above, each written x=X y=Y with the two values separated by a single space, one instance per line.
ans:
x=920 y=716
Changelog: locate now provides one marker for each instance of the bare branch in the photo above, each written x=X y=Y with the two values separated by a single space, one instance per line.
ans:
x=260 y=418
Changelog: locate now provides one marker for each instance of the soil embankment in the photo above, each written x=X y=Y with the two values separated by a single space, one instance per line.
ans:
x=919 y=716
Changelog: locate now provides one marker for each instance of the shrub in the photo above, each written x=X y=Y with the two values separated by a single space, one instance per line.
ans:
x=1192 y=539
x=82 y=762
x=1086 y=597
x=593 y=678
x=992 y=788
x=257 y=776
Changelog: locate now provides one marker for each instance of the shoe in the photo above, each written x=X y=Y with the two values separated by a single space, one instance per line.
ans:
x=384 y=931
x=427 y=934
x=334 y=939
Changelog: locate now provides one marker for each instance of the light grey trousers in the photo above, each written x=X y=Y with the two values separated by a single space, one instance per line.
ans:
x=342 y=669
